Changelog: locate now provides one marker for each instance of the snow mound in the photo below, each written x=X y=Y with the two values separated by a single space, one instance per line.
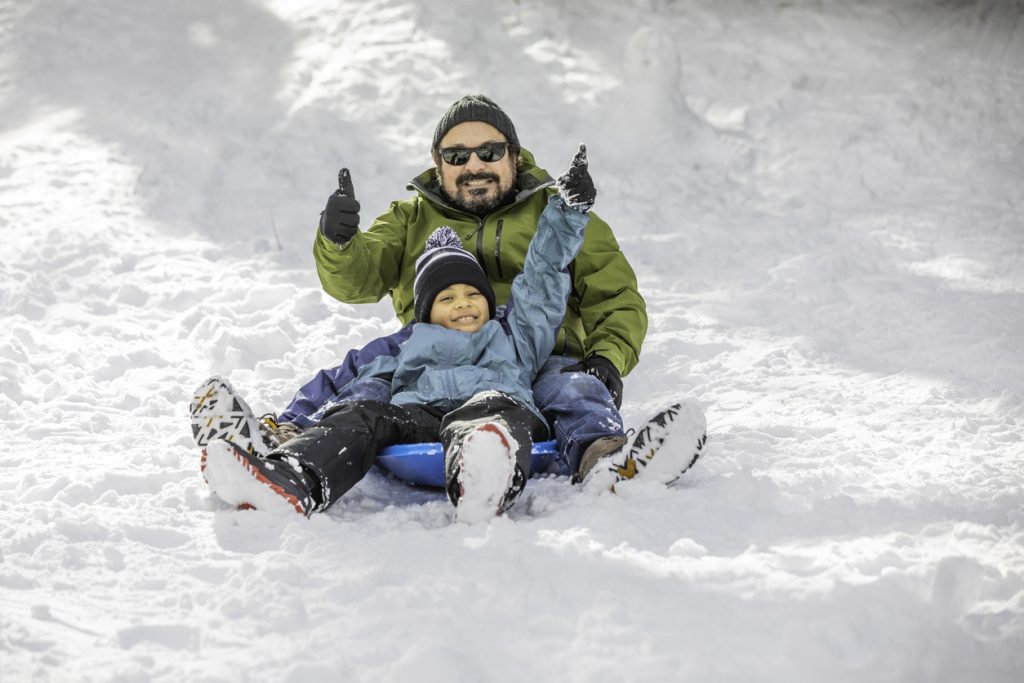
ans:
x=822 y=201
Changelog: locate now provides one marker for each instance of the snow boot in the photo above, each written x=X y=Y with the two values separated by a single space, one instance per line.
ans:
x=247 y=481
x=662 y=450
x=218 y=412
x=597 y=450
x=487 y=479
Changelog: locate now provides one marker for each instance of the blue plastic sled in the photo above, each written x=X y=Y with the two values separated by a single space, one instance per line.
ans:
x=423 y=463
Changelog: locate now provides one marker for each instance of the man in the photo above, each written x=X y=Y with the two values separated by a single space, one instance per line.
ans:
x=490 y=191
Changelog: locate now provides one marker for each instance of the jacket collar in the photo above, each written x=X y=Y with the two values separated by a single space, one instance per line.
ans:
x=531 y=180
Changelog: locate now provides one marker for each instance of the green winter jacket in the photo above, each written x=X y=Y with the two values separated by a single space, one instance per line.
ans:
x=605 y=315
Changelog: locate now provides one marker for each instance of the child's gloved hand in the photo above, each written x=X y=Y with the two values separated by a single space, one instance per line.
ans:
x=339 y=222
x=603 y=369
x=575 y=185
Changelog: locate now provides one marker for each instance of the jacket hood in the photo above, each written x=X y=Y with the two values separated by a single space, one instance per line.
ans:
x=531 y=179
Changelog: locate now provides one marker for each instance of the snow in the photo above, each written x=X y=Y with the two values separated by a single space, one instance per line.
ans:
x=823 y=201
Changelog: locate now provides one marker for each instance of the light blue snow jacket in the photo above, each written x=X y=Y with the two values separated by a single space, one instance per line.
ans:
x=443 y=368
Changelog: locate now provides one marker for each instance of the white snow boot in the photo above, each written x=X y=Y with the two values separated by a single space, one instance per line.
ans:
x=488 y=480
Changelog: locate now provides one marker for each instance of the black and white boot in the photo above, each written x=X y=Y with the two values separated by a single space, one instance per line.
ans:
x=487 y=480
x=664 y=448
x=219 y=413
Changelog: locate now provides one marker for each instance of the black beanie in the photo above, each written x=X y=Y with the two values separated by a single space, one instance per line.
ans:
x=444 y=263
x=476 y=108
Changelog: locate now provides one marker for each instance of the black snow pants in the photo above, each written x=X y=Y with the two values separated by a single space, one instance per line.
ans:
x=339 y=450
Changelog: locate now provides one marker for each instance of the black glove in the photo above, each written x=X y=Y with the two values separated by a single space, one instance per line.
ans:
x=340 y=220
x=575 y=185
x=601 y=368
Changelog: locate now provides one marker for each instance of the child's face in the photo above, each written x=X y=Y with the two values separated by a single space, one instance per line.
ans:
x=460 y=307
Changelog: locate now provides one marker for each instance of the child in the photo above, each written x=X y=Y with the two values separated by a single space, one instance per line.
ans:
x=462 y=377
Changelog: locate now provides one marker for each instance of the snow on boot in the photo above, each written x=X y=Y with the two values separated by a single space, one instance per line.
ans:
x=218 y=412
x=487 y=478
x=663 y=449
x=247 y=481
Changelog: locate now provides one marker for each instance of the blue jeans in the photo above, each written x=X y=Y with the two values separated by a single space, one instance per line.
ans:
x=579 y=409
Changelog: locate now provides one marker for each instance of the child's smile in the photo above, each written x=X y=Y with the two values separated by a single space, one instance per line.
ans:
x=460 y=307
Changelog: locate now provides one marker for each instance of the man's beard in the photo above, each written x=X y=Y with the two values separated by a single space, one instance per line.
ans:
x=484 y=203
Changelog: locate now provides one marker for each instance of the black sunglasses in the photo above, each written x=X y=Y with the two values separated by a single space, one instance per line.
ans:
x=487 y=152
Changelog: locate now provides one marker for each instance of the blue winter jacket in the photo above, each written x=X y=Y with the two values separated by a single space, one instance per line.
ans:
x=432 y=365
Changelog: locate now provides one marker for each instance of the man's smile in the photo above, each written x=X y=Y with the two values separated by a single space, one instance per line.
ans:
x=477 y=187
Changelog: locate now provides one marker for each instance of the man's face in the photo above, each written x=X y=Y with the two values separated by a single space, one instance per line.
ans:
x=477 y=186
x=460 y=307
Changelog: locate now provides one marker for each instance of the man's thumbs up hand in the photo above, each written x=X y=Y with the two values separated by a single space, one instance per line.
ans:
x=575 y=185
x=345 y=188
x=339 y=221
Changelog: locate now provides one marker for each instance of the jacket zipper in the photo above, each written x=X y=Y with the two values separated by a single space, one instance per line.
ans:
x=479 y=232
x=480 y=249
x=497 y=247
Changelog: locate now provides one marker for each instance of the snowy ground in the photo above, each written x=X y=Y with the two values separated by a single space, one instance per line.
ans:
x=824 y=204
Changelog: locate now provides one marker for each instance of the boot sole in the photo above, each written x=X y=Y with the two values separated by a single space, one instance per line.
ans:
x=486 y=472
x=682 y=421
x=219 y=413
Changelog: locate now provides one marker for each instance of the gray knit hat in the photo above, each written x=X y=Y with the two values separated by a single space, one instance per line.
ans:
x=476 y=108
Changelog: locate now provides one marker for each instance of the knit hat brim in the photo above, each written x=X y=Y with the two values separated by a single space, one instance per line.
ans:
x=476 y=108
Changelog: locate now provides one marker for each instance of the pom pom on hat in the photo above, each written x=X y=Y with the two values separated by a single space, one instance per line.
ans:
x=443 y=237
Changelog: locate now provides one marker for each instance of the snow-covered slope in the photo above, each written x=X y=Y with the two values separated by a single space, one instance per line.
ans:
x=823 y=201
